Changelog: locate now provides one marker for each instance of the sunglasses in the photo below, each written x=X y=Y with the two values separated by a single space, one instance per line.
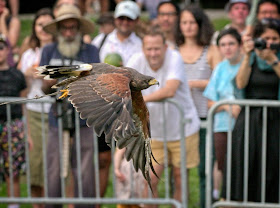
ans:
x=122 y=18
x=168 y=14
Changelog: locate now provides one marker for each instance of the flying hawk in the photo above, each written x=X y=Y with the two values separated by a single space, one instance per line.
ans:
x=110 y=100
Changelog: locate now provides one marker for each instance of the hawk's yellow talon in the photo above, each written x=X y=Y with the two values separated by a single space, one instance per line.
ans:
x=65 y=94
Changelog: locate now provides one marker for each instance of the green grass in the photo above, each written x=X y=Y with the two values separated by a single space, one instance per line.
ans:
x=26 y=26
x=220 y=23
x=193 y=200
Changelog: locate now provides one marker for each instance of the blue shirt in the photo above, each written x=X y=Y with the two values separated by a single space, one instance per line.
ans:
x=222 y=86
x=51 y=56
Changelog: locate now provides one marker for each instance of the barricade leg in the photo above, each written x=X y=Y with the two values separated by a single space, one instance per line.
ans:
x=53 y=167
x=202 y=175
x=87 y=169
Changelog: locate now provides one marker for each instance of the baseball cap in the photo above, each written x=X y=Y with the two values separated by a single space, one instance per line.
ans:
x=231 y=2
x=128 y=9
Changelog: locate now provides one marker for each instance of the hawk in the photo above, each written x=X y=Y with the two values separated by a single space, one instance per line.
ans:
x=110 y=100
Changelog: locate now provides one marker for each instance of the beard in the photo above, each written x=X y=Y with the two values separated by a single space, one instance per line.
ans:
x=69 y=48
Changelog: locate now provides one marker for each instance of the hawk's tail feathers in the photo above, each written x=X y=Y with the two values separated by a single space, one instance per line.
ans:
x=55 y=72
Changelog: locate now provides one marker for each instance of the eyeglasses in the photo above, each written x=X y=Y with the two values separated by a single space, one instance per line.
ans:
x=169 y=14
x=266 y=12
x=73 y=28
x=122 y=18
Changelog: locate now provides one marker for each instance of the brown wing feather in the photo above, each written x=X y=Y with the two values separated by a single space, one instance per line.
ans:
x=108 y=104
x=105 y=101
x=138 y=148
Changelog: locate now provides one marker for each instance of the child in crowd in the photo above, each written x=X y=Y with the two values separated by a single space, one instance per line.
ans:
x=34 y=111
x=221 y=87
x=129 y=183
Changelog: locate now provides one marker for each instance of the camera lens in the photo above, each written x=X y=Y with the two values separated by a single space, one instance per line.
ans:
x=260 y=43
x=274 y=46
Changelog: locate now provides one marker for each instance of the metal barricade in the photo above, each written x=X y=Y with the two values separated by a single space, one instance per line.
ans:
x=97 y=199
x=227 y=202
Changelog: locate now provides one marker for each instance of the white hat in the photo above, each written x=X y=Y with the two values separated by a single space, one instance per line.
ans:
x=231 y=2
x=128 y=9
x=69 y=11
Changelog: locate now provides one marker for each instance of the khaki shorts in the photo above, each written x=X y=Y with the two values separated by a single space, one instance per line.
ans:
x=174 y=149
x=36 y=154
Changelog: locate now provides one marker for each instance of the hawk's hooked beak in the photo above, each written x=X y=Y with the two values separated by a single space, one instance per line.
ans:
x=153 y=82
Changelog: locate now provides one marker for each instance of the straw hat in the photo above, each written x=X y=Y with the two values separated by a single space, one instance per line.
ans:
x=69 y=11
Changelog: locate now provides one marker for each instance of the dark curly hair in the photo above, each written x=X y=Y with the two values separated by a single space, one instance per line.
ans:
x=205 y=30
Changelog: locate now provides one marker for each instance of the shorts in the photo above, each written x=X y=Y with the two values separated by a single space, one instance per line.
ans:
x=18 y=148
x=36 y=154
x=174 y=151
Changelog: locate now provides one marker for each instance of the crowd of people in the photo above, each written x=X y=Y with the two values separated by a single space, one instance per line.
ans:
x=195 y=65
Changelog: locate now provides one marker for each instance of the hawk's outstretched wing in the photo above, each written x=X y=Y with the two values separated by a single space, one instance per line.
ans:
x=110 y=99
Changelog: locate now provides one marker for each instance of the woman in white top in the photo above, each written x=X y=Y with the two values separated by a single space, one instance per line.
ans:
x=200 y=59
x=29 y=61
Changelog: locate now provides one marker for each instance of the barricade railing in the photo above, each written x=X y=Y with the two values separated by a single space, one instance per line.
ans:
x=80 y=199
x=227 y=202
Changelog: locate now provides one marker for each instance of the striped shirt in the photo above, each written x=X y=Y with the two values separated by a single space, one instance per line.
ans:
x=196 y=71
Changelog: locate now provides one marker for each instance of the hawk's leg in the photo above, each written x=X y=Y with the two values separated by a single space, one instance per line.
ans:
x=64 y=94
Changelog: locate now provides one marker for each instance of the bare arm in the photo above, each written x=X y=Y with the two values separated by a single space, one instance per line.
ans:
x=118 y=157
x=245 y=69
x=167 y=91
x=14 y=31
x=14 y=5
x=200 y=83
x=3 y=25
x=234 y=109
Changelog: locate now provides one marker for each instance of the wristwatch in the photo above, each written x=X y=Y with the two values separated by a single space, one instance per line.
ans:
x=274 y=63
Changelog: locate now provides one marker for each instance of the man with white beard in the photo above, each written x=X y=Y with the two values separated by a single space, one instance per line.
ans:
x=69 y=27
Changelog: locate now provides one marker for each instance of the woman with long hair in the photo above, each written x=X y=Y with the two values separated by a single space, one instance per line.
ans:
x=200 y=58
x=29 y=61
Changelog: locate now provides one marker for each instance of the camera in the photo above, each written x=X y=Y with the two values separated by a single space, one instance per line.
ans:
x=260 y=44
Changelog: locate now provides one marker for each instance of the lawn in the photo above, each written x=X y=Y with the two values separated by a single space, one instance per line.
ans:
x=194 y=180
x=193 y=201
